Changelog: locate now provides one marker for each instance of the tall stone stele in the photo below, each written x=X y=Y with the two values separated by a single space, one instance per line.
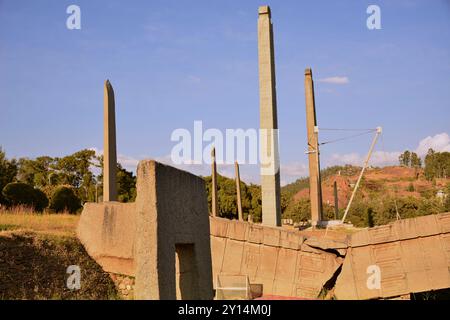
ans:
x=109 y=144
x=315 y=190
x=238 y=192
x=270 y=173
x=214 y=195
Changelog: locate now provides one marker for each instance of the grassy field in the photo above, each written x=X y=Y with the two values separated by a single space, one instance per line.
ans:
x=24 y=219
x=35 y=251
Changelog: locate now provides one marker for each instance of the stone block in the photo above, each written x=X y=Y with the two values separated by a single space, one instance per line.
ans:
x=251 y=260
x=172 y=235
x=106 y=231
x=255 y=233
x=291 y=240
x=233 y=257
x=271 y=237
x=218 y=249
x=267 y=267
x=218 y=226
x=237 y=230
x=412 y=255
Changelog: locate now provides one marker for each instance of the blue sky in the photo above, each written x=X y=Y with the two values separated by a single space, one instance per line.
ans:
x=173 y=62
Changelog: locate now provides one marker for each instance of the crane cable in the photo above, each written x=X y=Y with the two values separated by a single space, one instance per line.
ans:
x=366 y=131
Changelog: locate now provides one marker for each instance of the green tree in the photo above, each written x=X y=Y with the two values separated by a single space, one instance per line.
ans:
x=72 y=169
x=8 y=172
x=126 y=182
x=40 y=200
x=430 y=159
x=227 y=198
x=19 y=193
x=446 y=204
x=430 y=206
x=298 y=211
x=362 y=212
x=126 y=185
x=75 y=170
x=437 y=164
x=405 y=158
x=65 y=199
x=416 y=162
x=35 y=171
x=256 y=202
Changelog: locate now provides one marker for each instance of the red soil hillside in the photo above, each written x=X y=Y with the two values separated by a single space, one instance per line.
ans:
x=389 y=180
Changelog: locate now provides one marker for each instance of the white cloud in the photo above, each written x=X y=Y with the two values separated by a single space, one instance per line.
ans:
x=439 y=143
x=292 y=171
x=378 y=158
x=348 y=158
x=127 y=162
x=335 y=80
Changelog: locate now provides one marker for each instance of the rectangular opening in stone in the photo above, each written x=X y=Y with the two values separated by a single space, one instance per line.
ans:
x=186 y=272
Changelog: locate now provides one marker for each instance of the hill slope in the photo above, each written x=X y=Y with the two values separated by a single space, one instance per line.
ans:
x=383 y=191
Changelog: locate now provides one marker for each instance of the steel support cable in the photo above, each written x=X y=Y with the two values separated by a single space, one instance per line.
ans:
x=342 y=129
x=348 y=137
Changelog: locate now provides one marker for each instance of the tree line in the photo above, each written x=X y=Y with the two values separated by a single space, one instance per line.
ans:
x=59 y=183
x=437 y=164
x=65 y=183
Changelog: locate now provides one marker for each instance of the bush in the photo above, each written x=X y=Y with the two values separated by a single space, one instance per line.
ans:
x=298 y=211
x=40 y=200
x=64 y=199
x=18 y=193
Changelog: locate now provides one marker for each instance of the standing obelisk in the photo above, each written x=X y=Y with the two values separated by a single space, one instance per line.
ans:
x=238 y=192
x=315 y=190
x=270 y=173
x=109 y=145
x=214 y=195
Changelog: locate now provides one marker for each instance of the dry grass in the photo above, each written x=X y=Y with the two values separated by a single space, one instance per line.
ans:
x=21 y=218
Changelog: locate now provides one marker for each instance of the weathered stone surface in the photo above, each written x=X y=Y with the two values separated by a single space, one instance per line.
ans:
x=314 y=269
x=326 y=244
x=270 y=176
x=413 y=255
x=219 y=228
x=271 y=237
x=172 y=242
x=315 y=190
x=233 y=257
x=218 y=247
x=162 y=239
x=255 y=234
x=237 y=230
x=290 y=240
x=251 y=260
x=277 y=260
x=214 y=195
x=107 y=232
x=109 y=144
